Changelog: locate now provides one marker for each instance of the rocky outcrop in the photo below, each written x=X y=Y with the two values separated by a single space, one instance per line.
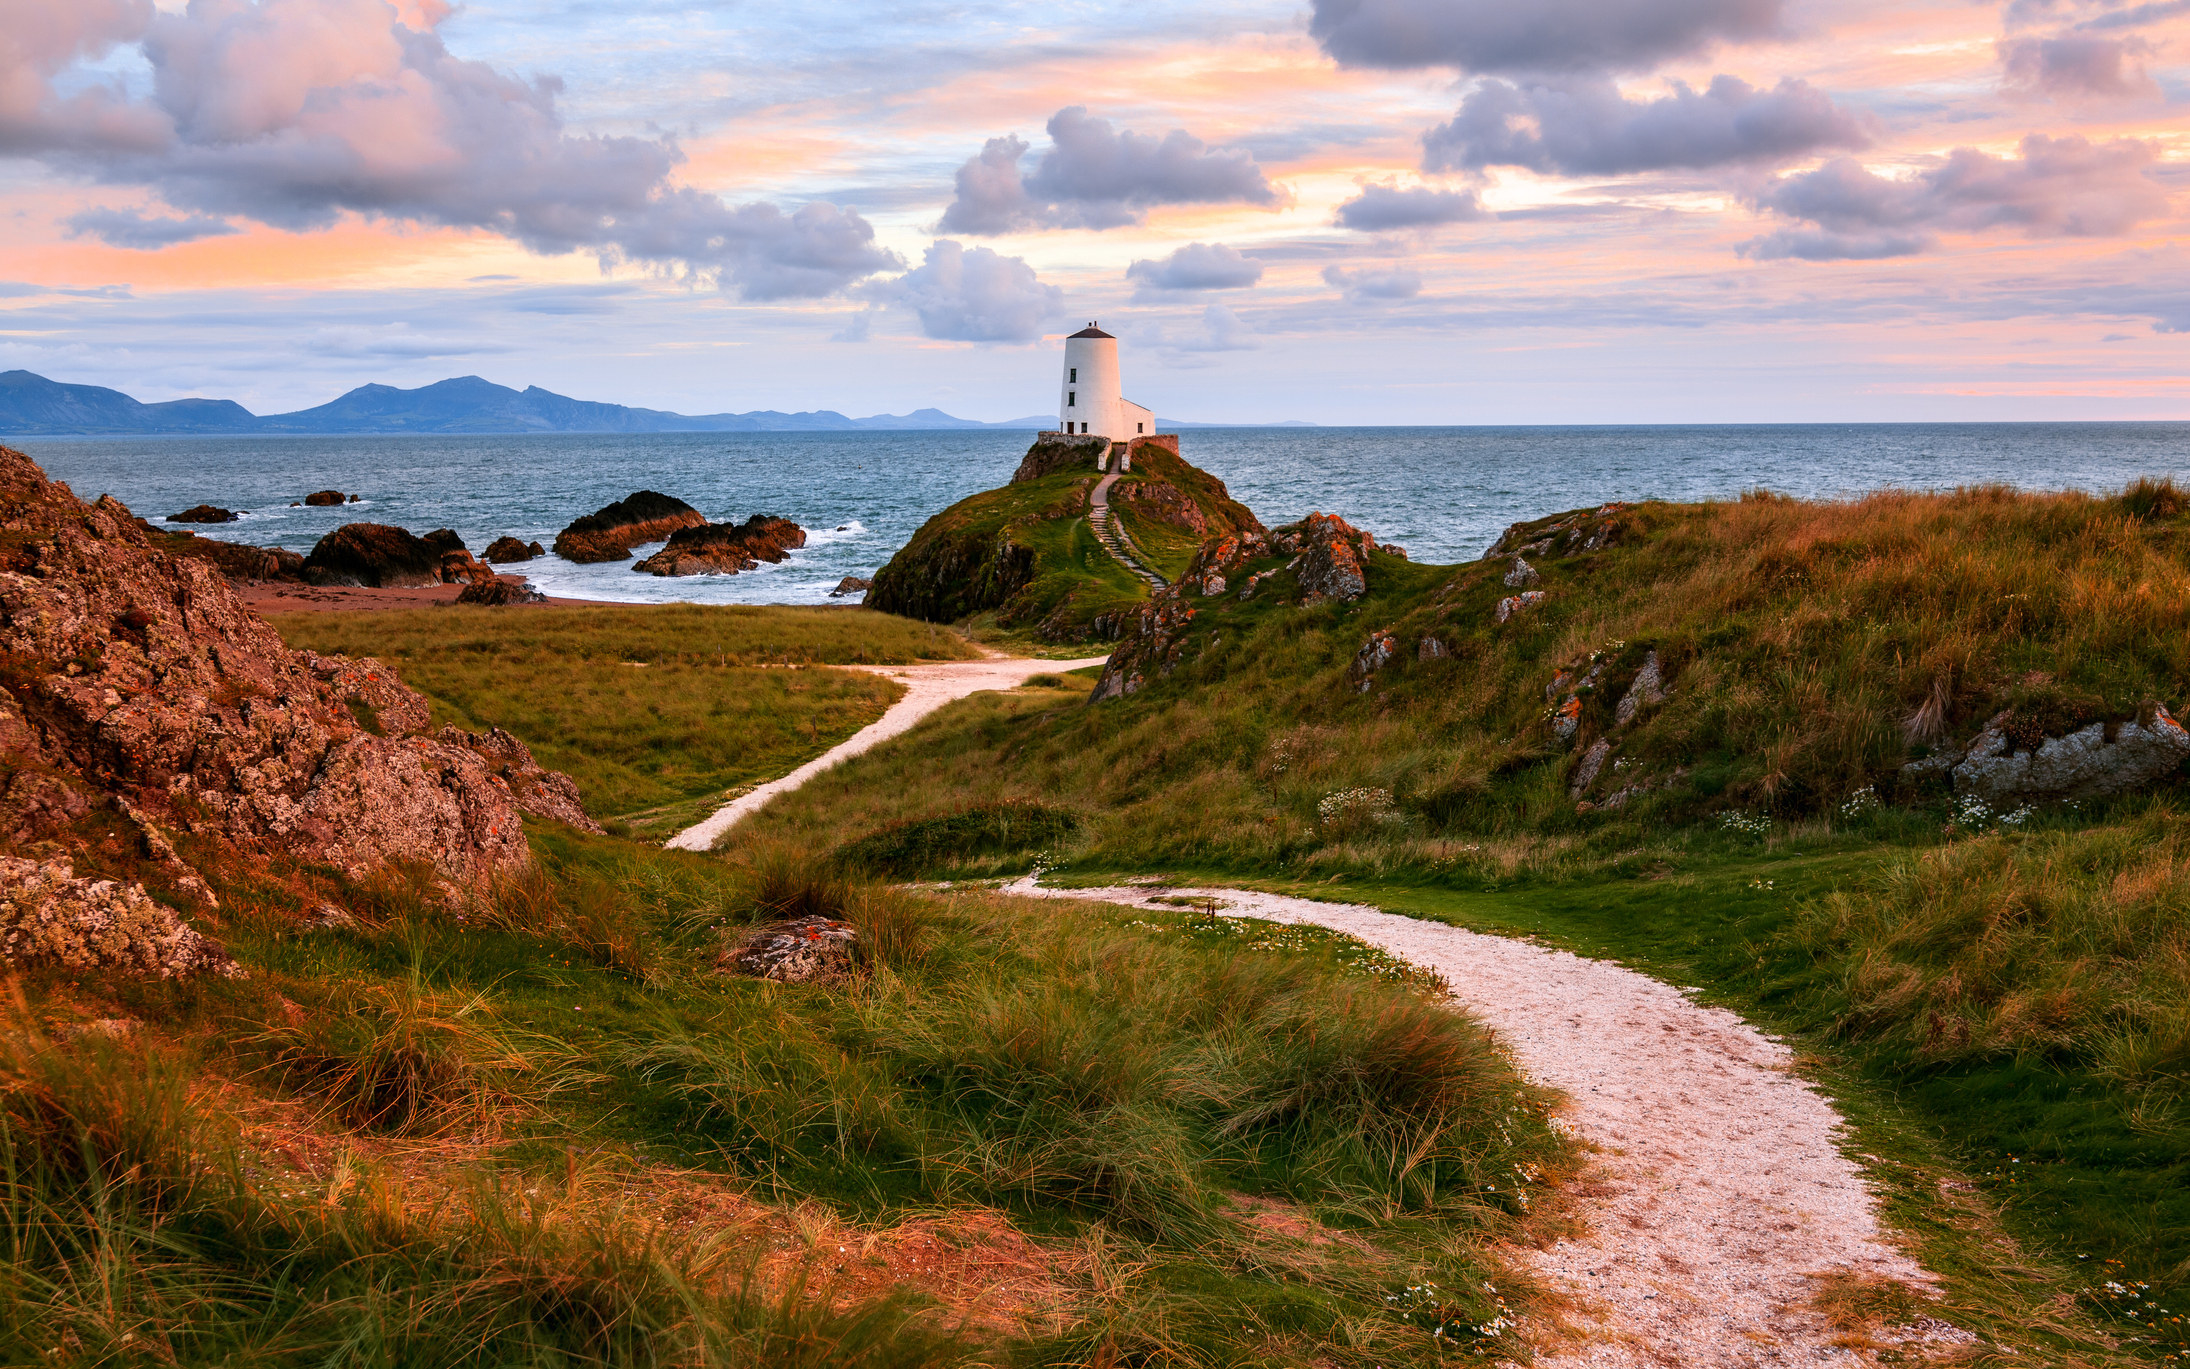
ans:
x=539 y=793
x=1647 y=691
x=1380 y=650
x=1516 y=603
x=726 y=548
x=92 y=926
x=850 y=584
x=508 y=551
x=609 y=534
x=1566 y=535
x=324 y=499
x=204 y=513
x=1151 y=644
x=1522 y=575
x=139 y=677
x=501 y=591
x=1053 y=453
x=235 y=560
x=806 y=950
x=2089 y=763
x=1330 y=557
x=373 y=555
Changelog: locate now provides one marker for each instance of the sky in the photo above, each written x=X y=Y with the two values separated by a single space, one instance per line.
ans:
x=1339 y=211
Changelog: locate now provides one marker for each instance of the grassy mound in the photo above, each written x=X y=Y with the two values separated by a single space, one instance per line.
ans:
x=1025 y=552
x=1011 y=828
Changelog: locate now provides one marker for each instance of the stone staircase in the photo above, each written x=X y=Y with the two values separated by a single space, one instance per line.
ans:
x=1104 y=525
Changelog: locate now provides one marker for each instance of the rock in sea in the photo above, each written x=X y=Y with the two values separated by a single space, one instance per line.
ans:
x=508 y=551
x=610 y=533
x=374 y=555
x=204 y=513
x=725 y=548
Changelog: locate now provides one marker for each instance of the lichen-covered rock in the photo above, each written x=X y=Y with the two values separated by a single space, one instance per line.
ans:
x=1516 y=603
x=806 y=950
x=1151 y=642
x=2090 y=763
x=204 y=513
x=1587 y=768
x=1569 y=534
x=609 y=534
x=726 y=548
x=91 y=926
x=374 y=555
x=1522 y=575
x=508 y=551
x=143 y=676
x=1376 y=653
x=1430 y=649
x=1330 y=557
x=501 y=592
x=1647 y=691
x=549 y=794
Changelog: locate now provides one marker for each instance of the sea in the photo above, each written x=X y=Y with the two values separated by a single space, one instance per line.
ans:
x=1443 y=493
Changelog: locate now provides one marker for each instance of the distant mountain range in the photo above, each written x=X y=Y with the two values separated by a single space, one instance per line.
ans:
x=32 y=404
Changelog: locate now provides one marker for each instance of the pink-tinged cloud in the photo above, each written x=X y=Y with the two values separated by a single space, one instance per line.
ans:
x=39 y=41
x=1096 y=176
x=964 y=294
x=1535 y=36
x=1384 y=208
x=1197 y=266
x=2074 y=66
x=294 y=112
x=2059 y=187
x=1584 y=126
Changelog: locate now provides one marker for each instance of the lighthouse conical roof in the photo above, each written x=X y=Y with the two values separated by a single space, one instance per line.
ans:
x=1092 y=331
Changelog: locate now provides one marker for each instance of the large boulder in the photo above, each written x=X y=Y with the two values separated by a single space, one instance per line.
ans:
x=725 y=548
x=90 y=926
x=609 y=534
x=204 y=513
x=2089 y=763
x=374 y=555
x=139 y=681
x=501 y=592
x=508 y=551
x=1331 y=556
x=324 y=499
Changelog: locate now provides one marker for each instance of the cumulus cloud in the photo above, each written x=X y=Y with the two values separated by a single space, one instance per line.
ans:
x=1373 y=286
x=294 y=112
x=974 y=295
x=1382 y=208
x=2059 y=187
x=2075 y=66
x=1583 y=126
x=1545 y=35
x=1197 y=266
x=133 y=229
x=1097 y=176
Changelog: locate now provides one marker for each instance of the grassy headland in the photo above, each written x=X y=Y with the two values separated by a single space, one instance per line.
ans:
x=2002 y=987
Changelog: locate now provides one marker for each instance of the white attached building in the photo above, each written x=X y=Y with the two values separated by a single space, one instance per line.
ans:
x=1089 y=399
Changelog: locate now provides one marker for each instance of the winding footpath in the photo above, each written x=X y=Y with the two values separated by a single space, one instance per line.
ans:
x=928 y=686
x=1104 y=524
x=1717 y=1191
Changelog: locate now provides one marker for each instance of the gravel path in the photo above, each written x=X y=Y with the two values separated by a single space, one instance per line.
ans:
x=1716 y=1190
x=927 y=687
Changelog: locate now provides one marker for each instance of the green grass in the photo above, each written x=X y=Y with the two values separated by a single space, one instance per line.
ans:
x=655 y=712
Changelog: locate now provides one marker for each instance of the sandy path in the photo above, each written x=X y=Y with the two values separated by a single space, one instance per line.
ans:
x=1716 y=1189
x=927 y=687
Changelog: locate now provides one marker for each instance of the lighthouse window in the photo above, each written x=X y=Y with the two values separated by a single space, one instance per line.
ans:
x=1073 y=375
x=1072 y=398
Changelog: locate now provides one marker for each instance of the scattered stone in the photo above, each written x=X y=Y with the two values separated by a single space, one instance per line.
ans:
x=610 y=533
x=726 y=548
x=326 y=917
x=374 y=555
x=850 y=584
x=508 y=551
x=502 y=591
x=204 y=513
x=1525 y=599
x=1585 y=769
x=1522 y=575
x=1430 y=649
x=50 y=917
x=806 y=950
x=1648 y=690
x=1374 y=655
x=1212 y=585
x=1566 y=720
x=104 y=1028
x=326 y=499
x=2086 y=764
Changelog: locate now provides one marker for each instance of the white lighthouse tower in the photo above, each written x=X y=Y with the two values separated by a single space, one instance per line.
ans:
x=1089 y=400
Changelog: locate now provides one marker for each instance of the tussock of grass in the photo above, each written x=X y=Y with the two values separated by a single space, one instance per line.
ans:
x=1014 y=827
